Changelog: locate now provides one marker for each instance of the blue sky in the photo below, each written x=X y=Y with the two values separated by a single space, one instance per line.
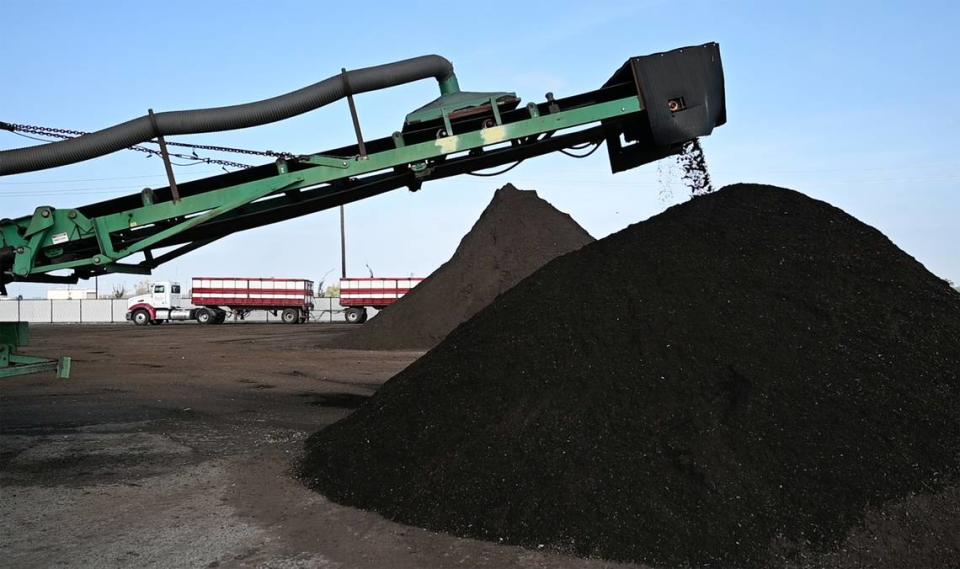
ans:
x=855 y=103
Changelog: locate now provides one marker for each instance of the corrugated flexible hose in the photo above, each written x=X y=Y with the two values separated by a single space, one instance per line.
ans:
x=218 y=119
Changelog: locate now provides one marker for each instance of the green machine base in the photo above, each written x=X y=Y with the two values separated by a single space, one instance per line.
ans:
x=14 y=335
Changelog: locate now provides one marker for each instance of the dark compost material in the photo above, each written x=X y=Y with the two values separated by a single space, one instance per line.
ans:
x=724 y=384
x=515 y=235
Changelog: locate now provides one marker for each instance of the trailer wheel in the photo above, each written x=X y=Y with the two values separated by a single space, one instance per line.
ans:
x=290 y=315
x=141 y=317
x=205 y=316
x=355 y=315
x=221 y=317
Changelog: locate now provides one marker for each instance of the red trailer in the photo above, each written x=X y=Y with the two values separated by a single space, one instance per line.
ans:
x=291 y=299
x=356 y=295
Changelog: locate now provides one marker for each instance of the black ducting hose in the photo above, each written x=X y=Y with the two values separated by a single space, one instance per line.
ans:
x=217 y=119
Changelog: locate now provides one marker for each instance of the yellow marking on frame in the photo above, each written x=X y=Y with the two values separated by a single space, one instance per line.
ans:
x=493 y=134
x=448 y=144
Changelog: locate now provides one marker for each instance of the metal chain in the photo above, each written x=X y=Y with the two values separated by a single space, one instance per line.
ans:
x=40 y=130
x=269 y=153
x=64 y=133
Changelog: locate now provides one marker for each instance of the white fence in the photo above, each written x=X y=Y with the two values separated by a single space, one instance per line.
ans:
x=105 y=310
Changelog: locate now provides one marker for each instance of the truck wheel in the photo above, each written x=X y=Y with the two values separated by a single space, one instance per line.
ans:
x=290 y=316
x=355 y=315
x=220 y=317
x=205 y=316
x=141 y=317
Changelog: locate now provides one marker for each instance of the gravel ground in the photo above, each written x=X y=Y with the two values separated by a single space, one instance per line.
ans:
x=172 y=446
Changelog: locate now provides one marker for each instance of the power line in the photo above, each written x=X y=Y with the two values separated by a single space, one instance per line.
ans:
x=30 y=137
x=76 y=180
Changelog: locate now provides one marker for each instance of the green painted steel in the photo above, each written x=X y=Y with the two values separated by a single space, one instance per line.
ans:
x=450 y=85
x=455 y=102
x=49 y=229
x=14 y=333
x=13 y=336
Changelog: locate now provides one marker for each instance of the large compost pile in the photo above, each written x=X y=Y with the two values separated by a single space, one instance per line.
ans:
x=516 y=234
x=731 y=383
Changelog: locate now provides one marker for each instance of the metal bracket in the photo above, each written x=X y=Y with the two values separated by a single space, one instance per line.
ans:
x=353 y=113
x=166 y=157
x=328 y=161
x=496 y=110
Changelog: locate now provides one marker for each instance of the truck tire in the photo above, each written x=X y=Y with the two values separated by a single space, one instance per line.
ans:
x=290 y=315
x=206 y=316
x=221 y=317
x=140 y=317
x=355 y=315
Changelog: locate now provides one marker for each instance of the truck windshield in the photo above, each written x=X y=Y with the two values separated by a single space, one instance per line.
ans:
x=175 y=289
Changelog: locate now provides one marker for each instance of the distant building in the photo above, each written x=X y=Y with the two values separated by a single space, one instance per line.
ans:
x=71 y=294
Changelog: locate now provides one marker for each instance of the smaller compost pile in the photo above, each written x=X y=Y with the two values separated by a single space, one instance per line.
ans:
x=732 y=383
x=516 y=234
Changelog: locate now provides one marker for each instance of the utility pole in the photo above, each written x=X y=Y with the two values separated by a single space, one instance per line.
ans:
x=343 y=247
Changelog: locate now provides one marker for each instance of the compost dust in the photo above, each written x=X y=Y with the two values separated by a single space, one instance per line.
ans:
x=747 y=379
x=693 y=164
x=516 y=234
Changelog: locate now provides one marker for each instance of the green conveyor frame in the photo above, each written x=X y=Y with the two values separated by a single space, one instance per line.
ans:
x=649 y=109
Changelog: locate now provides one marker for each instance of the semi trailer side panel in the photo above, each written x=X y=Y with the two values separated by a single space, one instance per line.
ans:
x=252 y=292
x=374 y=292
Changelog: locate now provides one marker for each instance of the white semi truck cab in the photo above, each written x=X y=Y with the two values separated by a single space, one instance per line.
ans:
x=160 y=295
x=159 y=304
